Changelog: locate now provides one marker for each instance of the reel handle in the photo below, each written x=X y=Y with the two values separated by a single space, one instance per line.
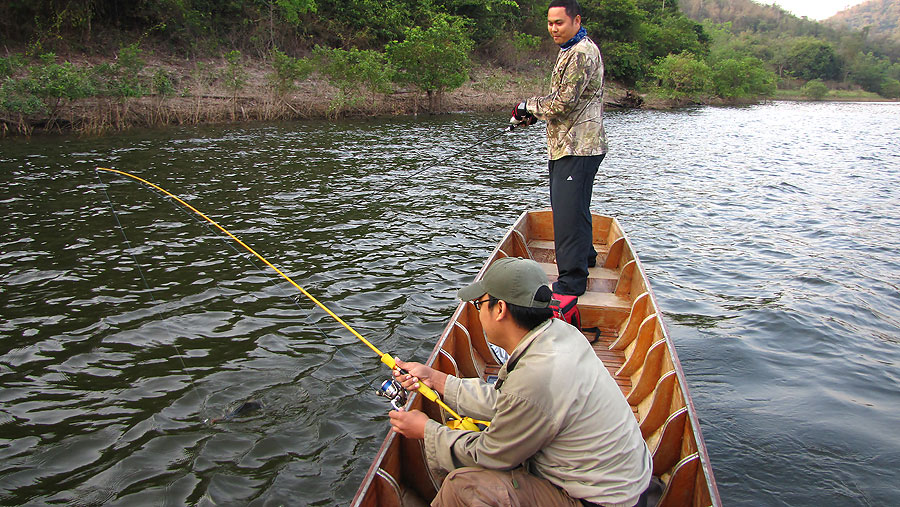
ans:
x=465 y=423
x=425 y=390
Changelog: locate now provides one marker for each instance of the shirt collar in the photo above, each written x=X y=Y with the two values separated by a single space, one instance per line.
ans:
x=582 y=33
x=519 y=351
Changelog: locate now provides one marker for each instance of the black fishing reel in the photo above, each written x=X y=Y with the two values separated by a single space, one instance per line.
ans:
x=392 y=390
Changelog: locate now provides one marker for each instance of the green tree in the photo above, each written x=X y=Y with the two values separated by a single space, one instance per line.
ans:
x=869 y=71
x=812 y=58
x=286 y=71
x=894 y=71
x=434 y=59
x=683 y=76
x=625 y=61
x=350 y=71
x=736 y=78
x=128 y=67
x=890 y=88
x=234 y=76
x=487 y=18
x=673 y=35
x=18 y=102
x=11 y=64
x=814 y=89
x=612 y=20
x=57 y=83
x=292 y=10
x=281 y=12
x=44 y=89
x=364 y=24
x=163 y=85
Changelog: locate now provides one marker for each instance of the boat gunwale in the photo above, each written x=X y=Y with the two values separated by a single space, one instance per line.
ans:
x=679 y=371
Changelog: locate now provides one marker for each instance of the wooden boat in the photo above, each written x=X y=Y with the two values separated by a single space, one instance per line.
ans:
x=632 y=341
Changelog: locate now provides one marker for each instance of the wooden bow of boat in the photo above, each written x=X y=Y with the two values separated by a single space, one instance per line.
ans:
x=632 y=342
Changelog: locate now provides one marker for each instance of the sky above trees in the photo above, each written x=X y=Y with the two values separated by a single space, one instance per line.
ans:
x=813 y=9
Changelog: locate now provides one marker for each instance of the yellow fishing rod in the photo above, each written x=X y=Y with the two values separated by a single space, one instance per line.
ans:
x=465 y=423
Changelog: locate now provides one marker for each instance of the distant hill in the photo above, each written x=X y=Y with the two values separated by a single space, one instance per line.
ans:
x=723 y=11
x=746 y=15
x=882 y=16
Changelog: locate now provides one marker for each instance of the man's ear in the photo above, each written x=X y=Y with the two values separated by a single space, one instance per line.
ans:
x=503 y=310
x=577 y=19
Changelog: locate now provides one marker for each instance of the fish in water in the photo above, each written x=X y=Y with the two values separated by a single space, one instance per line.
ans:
x=245 y=408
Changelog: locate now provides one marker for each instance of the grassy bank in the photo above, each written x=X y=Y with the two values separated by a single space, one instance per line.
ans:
x=172 y=91
x=91 y=95
x=834 y=95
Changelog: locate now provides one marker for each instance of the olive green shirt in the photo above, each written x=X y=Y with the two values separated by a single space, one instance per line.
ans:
x=574 y=108
x=559 y=412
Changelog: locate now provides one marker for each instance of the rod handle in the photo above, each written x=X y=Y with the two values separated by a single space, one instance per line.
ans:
x=425 y=390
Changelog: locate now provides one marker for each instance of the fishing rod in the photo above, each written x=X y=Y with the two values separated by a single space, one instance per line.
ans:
x=465 y=422
x=512 y=126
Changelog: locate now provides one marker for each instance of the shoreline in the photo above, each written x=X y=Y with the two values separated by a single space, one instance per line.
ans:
x=201 y=99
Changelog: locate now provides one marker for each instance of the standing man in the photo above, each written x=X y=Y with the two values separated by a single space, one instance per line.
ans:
x=576 y=141
x=561 y=432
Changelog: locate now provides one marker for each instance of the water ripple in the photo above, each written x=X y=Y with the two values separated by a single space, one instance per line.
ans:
x=769 y=235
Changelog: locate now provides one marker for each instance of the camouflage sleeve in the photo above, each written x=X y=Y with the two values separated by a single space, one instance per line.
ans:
x=570 y=84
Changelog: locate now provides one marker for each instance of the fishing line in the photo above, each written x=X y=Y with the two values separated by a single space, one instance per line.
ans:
x=244 y=255
x=156 y=303
x=438 y=161
x=387 y=359
x=273 y=282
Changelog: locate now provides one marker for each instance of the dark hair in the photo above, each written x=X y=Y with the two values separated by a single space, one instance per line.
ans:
x=524 y=316
x=572 y=7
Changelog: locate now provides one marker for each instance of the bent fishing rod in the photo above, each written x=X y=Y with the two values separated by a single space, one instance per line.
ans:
x=465 y=423
x=513 y=124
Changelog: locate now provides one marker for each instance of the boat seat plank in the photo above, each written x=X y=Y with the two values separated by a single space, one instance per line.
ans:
x=599 y=279
x=680 y=489
x=542 y=251
x=545 y=251
x=602 y=309
x=604 y=300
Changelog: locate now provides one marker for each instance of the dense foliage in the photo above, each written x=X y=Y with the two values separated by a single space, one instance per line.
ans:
x=800 y=50
x=731 y=49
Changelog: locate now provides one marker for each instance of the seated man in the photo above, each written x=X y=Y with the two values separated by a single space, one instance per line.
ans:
x=561 y=431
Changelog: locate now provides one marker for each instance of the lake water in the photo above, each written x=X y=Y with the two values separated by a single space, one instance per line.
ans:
x=770 y=235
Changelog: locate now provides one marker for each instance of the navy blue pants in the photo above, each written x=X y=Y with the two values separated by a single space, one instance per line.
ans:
x=571 y=186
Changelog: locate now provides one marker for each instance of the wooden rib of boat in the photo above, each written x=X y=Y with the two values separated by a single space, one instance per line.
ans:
x=632 y=342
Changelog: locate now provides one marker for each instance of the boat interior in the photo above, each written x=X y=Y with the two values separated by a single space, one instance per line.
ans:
x=621 y=319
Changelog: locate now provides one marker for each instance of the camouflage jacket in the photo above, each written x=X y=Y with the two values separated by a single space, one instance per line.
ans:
x=574 y=108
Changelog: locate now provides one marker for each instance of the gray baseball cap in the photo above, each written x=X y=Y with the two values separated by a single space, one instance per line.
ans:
x=511 y=279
